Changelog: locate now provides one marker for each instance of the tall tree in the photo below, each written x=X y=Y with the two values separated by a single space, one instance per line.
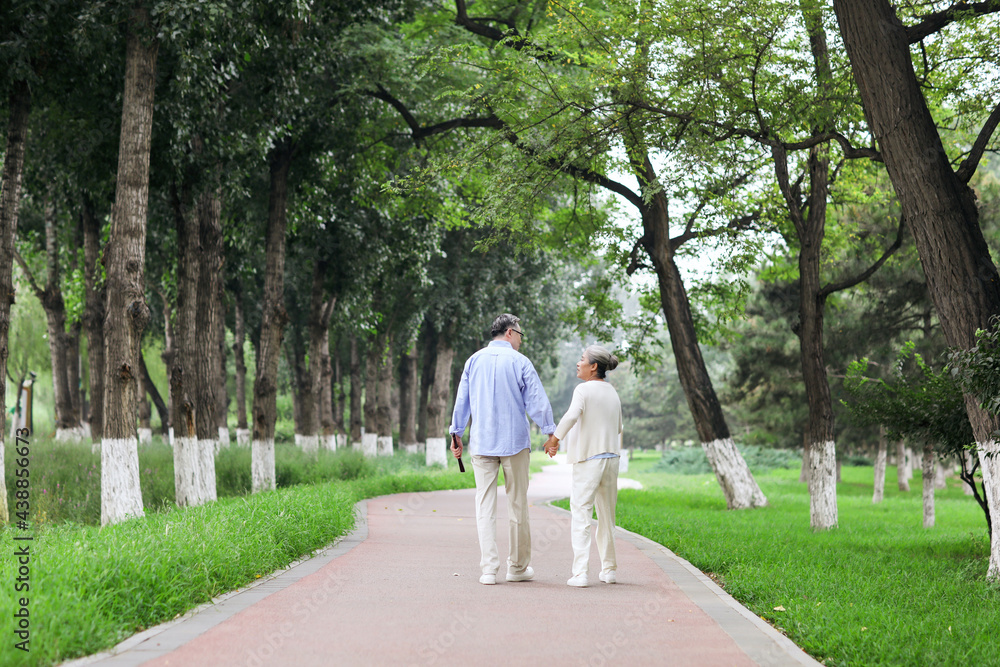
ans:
x=935 y=197
x=126 y=309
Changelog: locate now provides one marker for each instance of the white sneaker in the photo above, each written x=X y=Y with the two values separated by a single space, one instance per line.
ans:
x=607 y=576
x=488 y=579
x=578 y=580
x=527 y=575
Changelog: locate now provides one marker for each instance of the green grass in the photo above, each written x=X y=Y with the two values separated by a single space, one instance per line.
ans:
x=92 y=587
x=878 y=590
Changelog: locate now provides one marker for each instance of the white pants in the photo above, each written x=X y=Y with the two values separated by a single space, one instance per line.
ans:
x=594 y=482
x=515 y=477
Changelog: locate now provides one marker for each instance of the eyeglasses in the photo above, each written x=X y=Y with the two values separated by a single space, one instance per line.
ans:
x=518 y=333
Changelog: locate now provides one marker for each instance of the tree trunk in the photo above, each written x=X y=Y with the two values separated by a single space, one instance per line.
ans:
x=169 y=351
x=239 y=340
x=295 y=354
x=738 y=485
x=127 y=312
x=355 y=418
x=188 y=484
x=265 y=408
x=902 y=467
x=206 y=340
x=320 y=311
x=93 y=316
x=327 y=424
x=437 y=407
x=19 y=108
x=369 y=440
x=429 y=342
x=339 y=389
x=154 y=395
x=408 y=401
x=879 y=482
x=143 y=412
x=929 y=459
x=383 y=411
x=939 y=207
x=55 y=316
x=222 y=394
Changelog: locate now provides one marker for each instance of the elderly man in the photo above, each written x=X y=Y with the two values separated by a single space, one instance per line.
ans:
x=498 y=387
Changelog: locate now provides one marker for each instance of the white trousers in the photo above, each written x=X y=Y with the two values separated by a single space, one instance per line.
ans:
x=515 y=477
x=595 y=482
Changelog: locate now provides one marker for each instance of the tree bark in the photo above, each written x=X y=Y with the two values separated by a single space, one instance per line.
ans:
x=154 y=395
x=429 y=342
x=126 y=311
x=208 y=382
x=188 y=483
x=878 y=492
x=265 y=408
x=327 y=424
x=295 y=355
x=93 y=316
x=339 y=389
x=939 y=207
x=383 y=410
x=19 y=105
x=239 y=340
x=408 y=401
x=355 y=417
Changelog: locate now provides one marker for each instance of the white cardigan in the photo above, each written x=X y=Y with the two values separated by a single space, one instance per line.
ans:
x=593 y=423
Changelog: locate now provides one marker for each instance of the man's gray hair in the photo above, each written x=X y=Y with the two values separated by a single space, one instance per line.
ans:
x=502 y=323
x=599 y=355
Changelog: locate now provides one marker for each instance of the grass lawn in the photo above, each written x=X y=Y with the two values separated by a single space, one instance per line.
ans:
x=878 y=590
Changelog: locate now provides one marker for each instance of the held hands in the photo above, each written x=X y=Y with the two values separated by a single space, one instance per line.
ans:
x=456 y=445
x=551 y=445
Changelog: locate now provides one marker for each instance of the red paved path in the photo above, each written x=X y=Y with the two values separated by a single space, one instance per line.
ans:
x=408 y=594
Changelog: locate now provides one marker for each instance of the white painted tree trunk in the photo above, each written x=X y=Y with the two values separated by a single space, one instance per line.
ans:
x=823 y=485
x=733 y=474
x=902 y=479
x=309 y=443
x=879 y=483
x=341 y=441
x=145 y=435
x=623 y=461
x=262 y=468
x=329 y=442
x=989 y=464
x=187 y=472
x=243 y=437
x=940 y=475
x=927 y=469
x=206 y=463
x=414 y=448
x=121 y=497
x=385 y=445
x=369 y=444
x=437 y=452
x=74 y=434
x=909 y=464
x=224 y=439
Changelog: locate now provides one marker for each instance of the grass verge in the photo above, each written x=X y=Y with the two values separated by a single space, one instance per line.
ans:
x=878 y=590
x=91 y=587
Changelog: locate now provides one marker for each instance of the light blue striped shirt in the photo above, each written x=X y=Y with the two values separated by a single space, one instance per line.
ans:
x=499 y=385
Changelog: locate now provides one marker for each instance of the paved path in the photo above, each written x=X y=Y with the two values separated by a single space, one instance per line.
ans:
x=403 y=589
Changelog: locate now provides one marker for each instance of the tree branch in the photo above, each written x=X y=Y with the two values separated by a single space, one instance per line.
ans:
x=969 y=164
x=421 y=132
x=933 y=23
x=863 y=276
x=39 y=292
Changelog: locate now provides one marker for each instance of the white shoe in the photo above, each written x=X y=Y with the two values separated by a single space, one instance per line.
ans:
x=488 y=579
x=607 y=576
x=527 y=575
x=578 y=580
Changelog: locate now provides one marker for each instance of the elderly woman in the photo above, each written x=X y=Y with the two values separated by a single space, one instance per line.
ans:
x=592 y=429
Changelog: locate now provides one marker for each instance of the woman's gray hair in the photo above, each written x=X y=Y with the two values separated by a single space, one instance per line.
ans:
x=599 y=355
